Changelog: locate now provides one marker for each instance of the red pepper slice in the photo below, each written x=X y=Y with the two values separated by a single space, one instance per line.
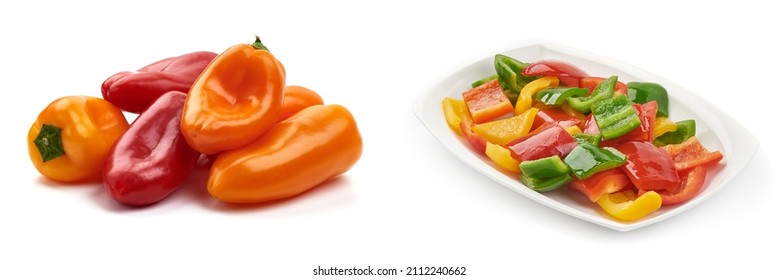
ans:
x=590 y=83
x=548 y=140
x=555 y=116
x=691 y=153
x=605 y=182
x=135 y=91
x=567 y=73
x=152 y=159
x=649 y=167
x=691 y=186
x=476 y=141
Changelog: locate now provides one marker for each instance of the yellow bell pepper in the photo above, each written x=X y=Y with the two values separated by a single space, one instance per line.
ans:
x=573 y=129
x=663 y=125
x=502 y=157
x=626 y=205
x=455 y=112
x=502 y=131
x=524 y=101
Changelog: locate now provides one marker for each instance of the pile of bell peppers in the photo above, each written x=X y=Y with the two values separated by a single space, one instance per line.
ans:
x=552 y=125
x=264 y=140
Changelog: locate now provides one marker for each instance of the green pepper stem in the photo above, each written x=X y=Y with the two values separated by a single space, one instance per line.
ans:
x=49 y=142
x=258 y=44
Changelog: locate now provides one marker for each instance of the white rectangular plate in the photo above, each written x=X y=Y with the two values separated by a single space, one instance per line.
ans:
x=715 y=129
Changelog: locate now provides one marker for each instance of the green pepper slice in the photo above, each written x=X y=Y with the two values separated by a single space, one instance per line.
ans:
x=558 y=95
x=587 y=138
x=483 y=81
x=603 y=91
x=615 y=117
x=546 y=184
x=509 y=73
x=644 y=92
x=587 y=159
x=548 y=167
x=686 y=129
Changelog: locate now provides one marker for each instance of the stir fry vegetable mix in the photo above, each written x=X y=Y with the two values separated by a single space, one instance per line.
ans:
x=265 y=140
x=552 y=125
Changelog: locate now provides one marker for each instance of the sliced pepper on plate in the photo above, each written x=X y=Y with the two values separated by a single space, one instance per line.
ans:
x=602 y=183
x=691 y=153
x=546 y=184
x=509 y=74
x=455 y=111
x=649 y=167
x=663 y=125
x=557 y=96
x=72 y=136
x=590 y=83
x=615 y=117
x=236 y=99
x=626 y=205
x=524 y=102
x=548 y=167
x=487 y=102
x=483 y=81
x=502 y=157
x=692 y=182
x=503 y=131
x=555 y=116
x=135 y=91
x=545 y=141
x=603 y=91
x=642 y=93
x=477 y=142
x=586 y=160
x=568 y=74
x=683 y=131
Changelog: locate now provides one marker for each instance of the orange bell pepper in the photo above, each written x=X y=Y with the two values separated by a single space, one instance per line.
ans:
x=297 y=98
x=296 y=155
x=72 y=136
x=487 y=102
x=236 y=99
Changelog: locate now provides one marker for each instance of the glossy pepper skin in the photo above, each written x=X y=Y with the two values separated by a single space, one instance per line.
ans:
x=135 y=91
x=151 y=159
x=297 y=98
x=296 y=155
x=71 y=138
x=236 y=99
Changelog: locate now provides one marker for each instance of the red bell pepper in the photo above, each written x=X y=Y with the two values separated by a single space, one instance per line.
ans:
x=602 y=183
x=691 y=153
x=151 y=159
x=557 y=116
x=649 y=167
x=567 y=73
x=548 y=140
x=476 y=141
x=589 y=83
x=691 y=186
x=135 y=91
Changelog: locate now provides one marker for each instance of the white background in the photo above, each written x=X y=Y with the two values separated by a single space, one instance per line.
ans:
x=408 y=202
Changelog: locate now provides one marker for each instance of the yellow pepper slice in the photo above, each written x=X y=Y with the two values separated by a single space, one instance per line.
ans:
x=503 y=131
x=524 y=101
x=663 y=125
x=626 y=205
x=455 y=112
x=502 y=157
x=573 y=129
